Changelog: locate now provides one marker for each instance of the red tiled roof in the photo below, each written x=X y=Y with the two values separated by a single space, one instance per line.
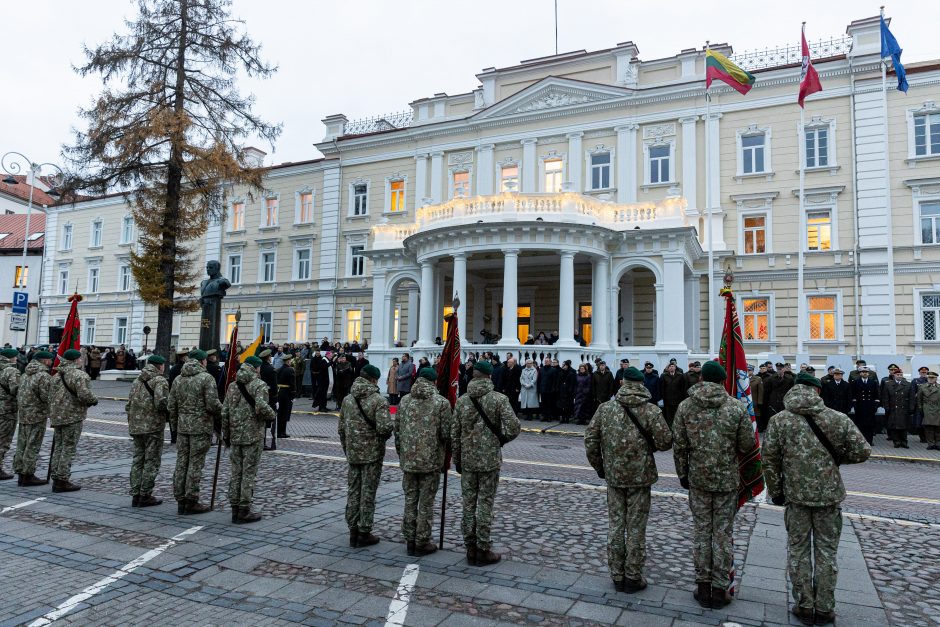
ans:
x=14 y=225
x=21 y=191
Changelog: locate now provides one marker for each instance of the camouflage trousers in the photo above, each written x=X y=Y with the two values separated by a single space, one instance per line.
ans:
x=361 y=486
x=28 y=442
x=420 y=490
x=713 y=521
x=191 y=453
x=148 y=451
x=66 y=443
x=7 y=429
x=628 y=509
x=813 y=530
x=245 y=459
x=479 y=490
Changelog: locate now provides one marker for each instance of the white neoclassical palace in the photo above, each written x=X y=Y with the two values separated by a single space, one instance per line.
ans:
x=581 y=193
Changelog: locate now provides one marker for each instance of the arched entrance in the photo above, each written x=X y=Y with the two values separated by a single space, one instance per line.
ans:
x=637 y=307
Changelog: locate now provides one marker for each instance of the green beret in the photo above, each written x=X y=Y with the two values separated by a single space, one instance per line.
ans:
x=197 y=354
x=9 y=352
x=632 y=374
x=71 y=354
x=808 y=379
x=156 y=360
x=484 y=366
x=254 y=362
x=372 y=372
x=42 y=355
x=428 y=373
x=713 y=372
x=265 y=353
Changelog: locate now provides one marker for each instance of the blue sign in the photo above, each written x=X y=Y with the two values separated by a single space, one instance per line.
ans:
x=20 y=302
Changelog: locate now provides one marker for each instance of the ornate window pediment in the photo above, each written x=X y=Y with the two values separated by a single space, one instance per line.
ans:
x=552 y=93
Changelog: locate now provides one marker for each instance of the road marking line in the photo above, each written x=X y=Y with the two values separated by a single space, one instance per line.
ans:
x=94 y=589
x=398 y=609
x=19 y=505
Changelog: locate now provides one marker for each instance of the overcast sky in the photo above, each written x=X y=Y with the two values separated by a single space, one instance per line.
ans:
x=367 y=57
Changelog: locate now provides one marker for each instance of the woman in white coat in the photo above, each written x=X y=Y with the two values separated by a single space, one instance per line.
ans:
x=529 y=395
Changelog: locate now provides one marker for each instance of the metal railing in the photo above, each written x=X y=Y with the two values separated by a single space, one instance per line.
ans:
x=787 y=55
x=387 y=122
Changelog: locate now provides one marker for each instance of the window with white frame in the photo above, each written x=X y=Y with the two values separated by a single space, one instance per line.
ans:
x=396 y=196
x=263 y=320
x=235 y=269
x=819 y=229
x=360 y=199
x=821 y=316
x=63 y=280
x=230 y=323
x=304 y=207
x=94 y=273
x=66 y=237
x=302 y=264
x=299 y=326
x=460 y=182
x=89 y=327
x=755 y=233
x=659 y=166
x=268 y=267
x=554 y=175
x=97 y=226
x=930 y=222
x=357 y=262
x=927 y=134
x=269 y=219
x=237 y=222
x=124 y=278
x=127 y=229
x=756 y=318
x=120 y=330
x=21 y=277
x=752 y=153
x=816 y=146
x=600 y=170
x=353 y=325
x=930 y=316
x=509 y=178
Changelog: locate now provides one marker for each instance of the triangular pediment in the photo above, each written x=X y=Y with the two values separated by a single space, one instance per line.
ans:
x=552 y=93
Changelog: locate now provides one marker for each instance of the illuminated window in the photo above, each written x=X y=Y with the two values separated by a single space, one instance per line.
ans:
x=353 y=325
x=509 y=178
x=600 y=170
x=554 y=172
x=229 y=327
x=819 y=230
x=461 y=184
x=22 y=276
x=238 y=216
x=930 y=222
x=585 y=325
x=447 y=311
x=396 y=196
x=756 y=316
x=822 y=317
x=300 y=326
x=755 y=234
x=817 y=147
x=396 y=327
x=523 y=322
x=305 y=208
x=927 y=134
x=270 y=212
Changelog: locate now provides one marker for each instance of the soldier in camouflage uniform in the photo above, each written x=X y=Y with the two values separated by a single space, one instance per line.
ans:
x=146 y=416
x=9 y=382
x=364 y=426
x=32 y=409
x=621 y=451
x=710 y=430
x=193 y=405
x=801 y=473
x=69 y=399
x=244 y=415
x=478 y=457
x=421 y=434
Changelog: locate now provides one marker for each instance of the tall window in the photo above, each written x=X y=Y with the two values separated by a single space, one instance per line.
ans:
x=554 y=172
x=461 y=184
x=238 y=216
x=263 y=320
x=930 y=315
x=305 y=211
x=585 y=321
x=300 y=326
x=235 y=269
x=927 y=134
x=66 y=237
x=124 y=278
x=600 y=171
x=930 y=222
x=509 y=178
x=396 y=327
x=120 y=330
x=360 y=199
x=659 y=164
x=268 y=267
x=822 y=317
x=356 y=261
x=230 y=323
x=302 y=263
x=127 y=230
x=93 y=274
x=96 y=228
x=755 y=234
x=756 y=318
x=270 y=212
x=817 y=147
x=353 y=325
x=752 y=153
x=89 y=327
x=396 y=196
x=819 y=230
x=63 y=280
x=22 y=276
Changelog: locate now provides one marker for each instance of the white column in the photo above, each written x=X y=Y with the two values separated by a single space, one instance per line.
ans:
x=437 y=178
x=460 y=290
x=674 y=303
x=575 y=161
x=659 y=327
x=689 y=162
x=626 y=309
x=510 y=297
x=529 y=164
x=485 y=170
x=426 y=321
x=600 y=307
x=413 y=316
x=421 y=179
x=380 y=312
x=566 y=301
x=479 y=312
x=613 y=326
x=626 y=162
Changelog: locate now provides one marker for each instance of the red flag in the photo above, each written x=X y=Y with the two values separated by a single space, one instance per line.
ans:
x=809 y=79
x=448 y=368
x=232 y=363
x=72 y=334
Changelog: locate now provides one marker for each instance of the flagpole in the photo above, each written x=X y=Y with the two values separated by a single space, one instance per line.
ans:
x=800 y=322
x=708 y=220
x=889 y=237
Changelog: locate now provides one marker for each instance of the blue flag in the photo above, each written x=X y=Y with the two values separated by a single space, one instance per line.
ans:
x=890 y=48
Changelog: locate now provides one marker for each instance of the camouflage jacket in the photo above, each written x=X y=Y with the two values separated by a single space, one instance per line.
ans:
x=796 y=464
x=194 y=400
x=9 y=382
x=147 y=413
x=709 y=431
x=362 y=443
x=422 y=429
x=928 y=401
x=614 y=445
x=241 y=423
x=70 y=395
x=475 y=447
x=33 y=394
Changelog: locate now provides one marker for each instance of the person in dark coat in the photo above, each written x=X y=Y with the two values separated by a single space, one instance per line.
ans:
x=694 y=375
x=584 y=396
x=566 y=383
x=865 y=401
x=898 y=402
x=618 y=378
x=651 y=382
x=174 y=372
x=917 y=420
x=604 y=385
x=548 y=375
x=319 y=380
x=776 y=387
x=512 y=385
x=361 y=362
x=286 y=385
x=836 y=393
x=343 y=377
x=269 y=376
x=674 y=387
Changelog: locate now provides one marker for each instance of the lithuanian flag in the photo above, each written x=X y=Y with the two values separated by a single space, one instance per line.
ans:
x=719 y=66
x=252 y=348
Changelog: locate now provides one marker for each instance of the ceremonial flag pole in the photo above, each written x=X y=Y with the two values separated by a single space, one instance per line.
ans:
x=71 y=338
x=448 y=376
x=230 y=370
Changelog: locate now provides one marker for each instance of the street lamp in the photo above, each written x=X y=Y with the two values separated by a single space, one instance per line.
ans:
x=13 y=163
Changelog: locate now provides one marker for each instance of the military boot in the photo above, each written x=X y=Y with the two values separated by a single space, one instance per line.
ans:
x=64 y=485
x=619 y=585
x=245 y=515
x=633 y=585
x=31 y=480
x=410 y=547
x=425 y=549
x=4 y=475
x=703 y=594
x=720 y=598
x=354 y=538
x=182 y=506
x=236 y=512
x=803 y=614
x=825 y=618
x=195 y=507
x=148 y=500
x=367 y=539
x=487 y=557
x=471 y=555
x=135 y=500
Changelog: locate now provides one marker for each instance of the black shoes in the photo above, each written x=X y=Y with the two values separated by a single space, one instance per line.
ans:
x=630 y=585
x=472 y=555
x=4 y=475
x=148 y=500
x=135 y=500
x=485 y=558
x=64 y=485
x=619 y=585
x=803 y=614
x=410 y=548
x=720 y=598
x=195 y=507
x=245 y=515
x=703 y=594
x=425 y=549
x=825 y=618
x=30 y=480
x=366 y=539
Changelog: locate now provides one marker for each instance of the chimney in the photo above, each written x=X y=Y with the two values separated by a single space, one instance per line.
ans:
x=254 y=156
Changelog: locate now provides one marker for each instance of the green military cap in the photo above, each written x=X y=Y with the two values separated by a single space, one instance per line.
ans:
x=484 y=366
x=931 y=374
x=197 y=354
x=713 y=372
x=371 y=372
x=254 y=362
x=265 y=353
x=71 y=354
x=808 y=379
x=632 y=374
x=156 y=360
x=428 y=373
x=183 y=351
x=42 y=355
x=9 y=352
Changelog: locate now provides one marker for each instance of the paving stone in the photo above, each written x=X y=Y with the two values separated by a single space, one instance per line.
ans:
x=594 y=612
x=546 y=603
x=262 y=586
